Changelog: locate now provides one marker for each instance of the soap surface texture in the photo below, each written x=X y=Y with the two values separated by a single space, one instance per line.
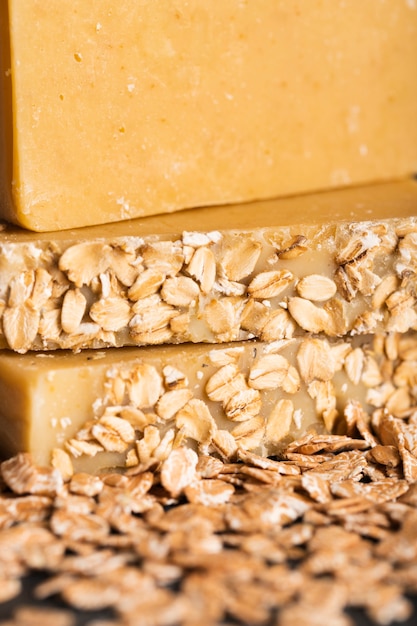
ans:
x=117 y=110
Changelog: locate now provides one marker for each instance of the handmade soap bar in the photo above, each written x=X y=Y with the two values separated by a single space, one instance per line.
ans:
x=113 y=110
x=124 y=407
x=341 y=262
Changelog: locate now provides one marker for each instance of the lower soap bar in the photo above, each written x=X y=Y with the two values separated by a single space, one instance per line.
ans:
x=127 y=407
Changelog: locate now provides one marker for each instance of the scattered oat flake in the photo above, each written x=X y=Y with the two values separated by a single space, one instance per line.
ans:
x=179 y=470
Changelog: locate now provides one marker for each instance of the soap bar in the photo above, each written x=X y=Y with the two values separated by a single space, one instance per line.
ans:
x=337 y=263
x=127 y=407
x=114 y=110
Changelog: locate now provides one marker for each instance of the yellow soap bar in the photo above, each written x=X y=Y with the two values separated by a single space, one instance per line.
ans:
x=127 y=407
x=114 y=110
x=336 y=263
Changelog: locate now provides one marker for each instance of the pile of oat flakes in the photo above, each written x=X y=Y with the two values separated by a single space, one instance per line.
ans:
x=331 y=524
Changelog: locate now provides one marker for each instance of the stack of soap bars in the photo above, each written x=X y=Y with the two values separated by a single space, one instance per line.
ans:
x=134 y=322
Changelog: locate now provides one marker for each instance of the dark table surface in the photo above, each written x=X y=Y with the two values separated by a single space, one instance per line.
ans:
x=83 y=617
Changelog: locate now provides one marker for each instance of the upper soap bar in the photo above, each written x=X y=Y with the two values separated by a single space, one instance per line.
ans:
x=340 y=262
x=113 y=110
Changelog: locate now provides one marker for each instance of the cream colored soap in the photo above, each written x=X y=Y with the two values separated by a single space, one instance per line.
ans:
x=114 y=110
x=335 y=263
x=128 y=407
